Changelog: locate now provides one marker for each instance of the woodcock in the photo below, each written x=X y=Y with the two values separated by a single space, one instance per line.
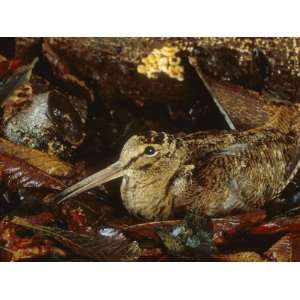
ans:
x=214 y=173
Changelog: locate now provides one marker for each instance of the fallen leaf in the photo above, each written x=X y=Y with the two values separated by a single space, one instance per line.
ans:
x=278 y=225
x=286 y=249
x=246 y=108
x=230 y=226
x=151 y=253
x=17 y=245
x=199 y=236
x=35 y=252
x=43 y=161
x=246 y=256
x=77 y=220
x=103 y=247
x=145 y=230
x=16 y=173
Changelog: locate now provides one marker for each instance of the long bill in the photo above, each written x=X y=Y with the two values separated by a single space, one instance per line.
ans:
x=111 y=172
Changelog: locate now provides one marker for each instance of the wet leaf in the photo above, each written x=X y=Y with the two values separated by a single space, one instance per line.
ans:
x=231 y=226
x=282 y=224
x=43 y=161
x=33 y=125
x=108 y=246
x=16 y=173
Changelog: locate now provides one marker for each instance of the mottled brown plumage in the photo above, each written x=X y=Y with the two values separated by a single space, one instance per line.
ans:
x=216 y=173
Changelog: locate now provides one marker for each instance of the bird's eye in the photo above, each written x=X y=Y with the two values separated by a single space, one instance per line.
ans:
x=150 y=151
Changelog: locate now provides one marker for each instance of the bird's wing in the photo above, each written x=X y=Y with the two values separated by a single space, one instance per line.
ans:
x=243 y=176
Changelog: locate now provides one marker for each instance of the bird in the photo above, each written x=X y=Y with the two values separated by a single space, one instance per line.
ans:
x=214 y=173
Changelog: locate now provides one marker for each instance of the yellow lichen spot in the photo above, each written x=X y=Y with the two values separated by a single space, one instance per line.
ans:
x=169 y=51
x=141 y=69
x=164 y=60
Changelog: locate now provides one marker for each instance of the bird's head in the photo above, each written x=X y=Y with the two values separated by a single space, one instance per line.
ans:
x=144 y=158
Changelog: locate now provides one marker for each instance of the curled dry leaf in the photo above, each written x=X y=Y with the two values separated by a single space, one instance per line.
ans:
x=286 y=249
x=43 y=161
x=103 y=247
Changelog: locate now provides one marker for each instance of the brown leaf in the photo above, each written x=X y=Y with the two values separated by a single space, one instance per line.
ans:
x=43 y=161
x=16 y=247
x=77 y=220
x=151 y=253
x=286 y=249
x=100 y=247
x=62 y=70
x=145 y=230
x=41 y=219
x=224 y=228
x=278 y=225
x=35 y=252
x=246 y=108
x=246 y=256
x=16 y=173
x=230 y=226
